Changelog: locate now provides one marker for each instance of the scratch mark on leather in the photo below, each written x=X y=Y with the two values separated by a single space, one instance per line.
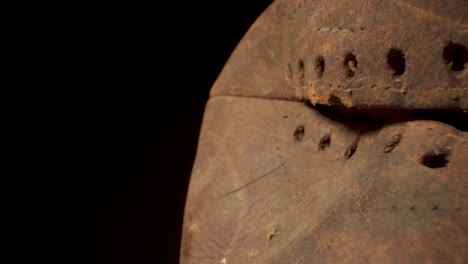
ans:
x=252 y=181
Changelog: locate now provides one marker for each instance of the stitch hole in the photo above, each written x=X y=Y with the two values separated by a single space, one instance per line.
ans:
x=290 y=72
x=435 y=160
x=456 y=56
x=320 y=66
x=397 y=62
x=301 y=68
x=393 y=143
x=324 y=142
x=299 y=133
x=351 y=150
x=350 y=64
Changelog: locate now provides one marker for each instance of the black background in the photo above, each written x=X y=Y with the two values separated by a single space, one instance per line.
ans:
x=141 y=82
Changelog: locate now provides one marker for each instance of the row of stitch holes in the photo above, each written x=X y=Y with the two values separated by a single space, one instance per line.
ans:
x=431 y=159
x=434 y=208
x=324 y=143
x=455 y=56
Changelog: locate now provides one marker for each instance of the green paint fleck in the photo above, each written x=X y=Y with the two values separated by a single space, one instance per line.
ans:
x=335 y=30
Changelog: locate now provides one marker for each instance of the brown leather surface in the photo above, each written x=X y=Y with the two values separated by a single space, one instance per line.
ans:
x=277 y=58
x=278 y=181
x=264 y=191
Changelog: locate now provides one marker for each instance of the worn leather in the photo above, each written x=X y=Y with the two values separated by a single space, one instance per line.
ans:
x=278 y=56
x=346 y=177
